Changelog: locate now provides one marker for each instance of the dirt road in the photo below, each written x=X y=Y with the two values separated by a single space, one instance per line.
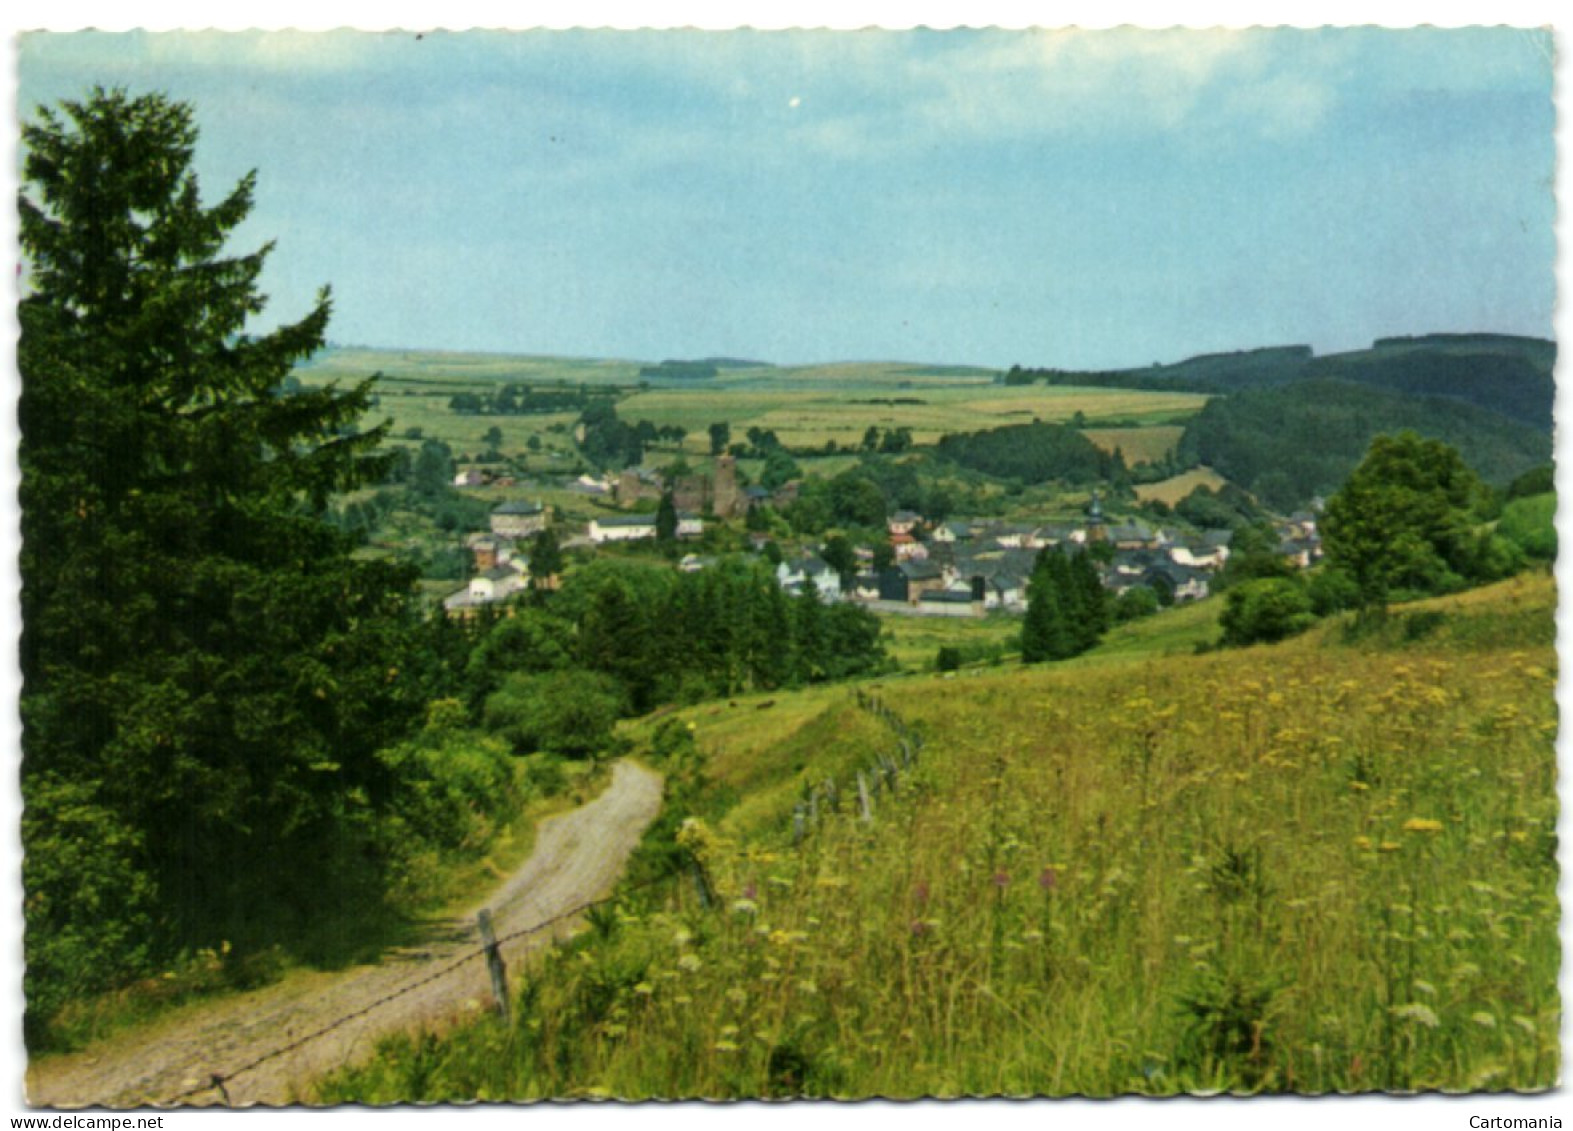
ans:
x=578 y=856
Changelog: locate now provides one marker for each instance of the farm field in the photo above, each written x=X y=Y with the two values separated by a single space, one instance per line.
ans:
x=806 y=406
x=1138 y=445
x=810 y=417
x=1174 y=489
x=1320 y=866
x=913 y=641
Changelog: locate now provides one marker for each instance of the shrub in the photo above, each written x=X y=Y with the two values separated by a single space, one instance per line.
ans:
x=1530 y=524
x=1266 y=610
x=568 y=712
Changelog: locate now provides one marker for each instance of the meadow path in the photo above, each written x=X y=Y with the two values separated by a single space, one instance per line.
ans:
x=578 y=856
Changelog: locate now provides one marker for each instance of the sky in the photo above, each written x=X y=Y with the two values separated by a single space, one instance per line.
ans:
x=1060 y=198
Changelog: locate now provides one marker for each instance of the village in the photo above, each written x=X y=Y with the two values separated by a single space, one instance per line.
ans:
x=952 y=567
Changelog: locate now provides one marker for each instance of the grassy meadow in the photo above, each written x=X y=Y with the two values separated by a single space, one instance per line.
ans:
x=1327 y=865
x=914 y=642
x=806 y=406
x=809 y=416
x=1138 y=445
x=1175 y=488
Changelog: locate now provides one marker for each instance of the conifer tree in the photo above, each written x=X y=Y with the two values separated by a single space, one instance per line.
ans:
x=207 y=669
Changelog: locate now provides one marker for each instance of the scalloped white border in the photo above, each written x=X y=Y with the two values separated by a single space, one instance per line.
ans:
x=1283 y=1114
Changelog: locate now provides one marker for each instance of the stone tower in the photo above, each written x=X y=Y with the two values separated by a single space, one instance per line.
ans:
x=726 y=498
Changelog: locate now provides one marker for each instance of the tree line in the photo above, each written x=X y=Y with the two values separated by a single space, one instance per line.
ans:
x=529 y=400
x=1034 y=453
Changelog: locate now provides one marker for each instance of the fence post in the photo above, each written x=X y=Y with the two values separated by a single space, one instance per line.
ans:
x=868 y=813
x=797 y=825
x=701 y=884
x=494 y=964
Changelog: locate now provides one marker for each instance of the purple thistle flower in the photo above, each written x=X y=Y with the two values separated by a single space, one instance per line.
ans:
x=1001 y=880
x=1048 y=879
x=750 y=891
x=921 y=893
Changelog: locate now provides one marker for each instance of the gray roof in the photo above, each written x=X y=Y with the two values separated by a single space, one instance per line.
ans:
x=518 y=506
x=945 y=597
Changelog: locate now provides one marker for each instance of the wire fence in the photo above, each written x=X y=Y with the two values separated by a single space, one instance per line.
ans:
x=884 y=771
x=220 y=1081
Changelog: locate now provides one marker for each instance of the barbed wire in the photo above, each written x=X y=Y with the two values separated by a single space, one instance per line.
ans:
x=219 y=1081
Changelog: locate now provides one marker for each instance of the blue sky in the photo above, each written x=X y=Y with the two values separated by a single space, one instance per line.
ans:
x=1078 y=199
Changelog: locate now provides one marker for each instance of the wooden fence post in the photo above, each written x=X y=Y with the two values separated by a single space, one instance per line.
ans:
x=797 y=825
x=494 y=963
x=701 y=885
x=868 y=812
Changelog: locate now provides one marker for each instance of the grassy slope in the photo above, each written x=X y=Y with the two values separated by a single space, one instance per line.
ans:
x=1176 y=487
x=1316 y=866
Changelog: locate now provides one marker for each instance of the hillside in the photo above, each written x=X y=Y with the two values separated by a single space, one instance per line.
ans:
x=1500 y=372
x=1290 y=443
x=1311 y=867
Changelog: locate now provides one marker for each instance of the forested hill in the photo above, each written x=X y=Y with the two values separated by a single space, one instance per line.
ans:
x=1288 y=443
x=1506 y=374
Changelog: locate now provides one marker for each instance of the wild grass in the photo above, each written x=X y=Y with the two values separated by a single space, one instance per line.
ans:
x=913 y=642
x=1314 y=867
x=1138 y=445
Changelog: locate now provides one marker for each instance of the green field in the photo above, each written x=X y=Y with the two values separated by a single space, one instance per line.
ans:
x=914 y=641
x=1313 y=867
x=1172 y=490
x=805 y=406
x=809 y=417
x=1138 y=445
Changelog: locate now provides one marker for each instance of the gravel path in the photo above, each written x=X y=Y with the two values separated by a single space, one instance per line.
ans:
x=578 y=857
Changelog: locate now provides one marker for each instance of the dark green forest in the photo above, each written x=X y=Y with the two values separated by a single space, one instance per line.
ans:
x=1288 y=444
x=1499 y=372
x=1033 y=453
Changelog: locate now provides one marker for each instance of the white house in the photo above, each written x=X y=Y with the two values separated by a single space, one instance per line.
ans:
x=794 y=575
x=621 y=528
x=518 y=519
x=689 y=525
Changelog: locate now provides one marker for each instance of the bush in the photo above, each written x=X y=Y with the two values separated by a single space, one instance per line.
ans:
x=79 y=856
x=948 y=659
x=1137 y=602
x=568 y=712
x=1530 y=524
x=1266 y=610
x=1332 y=590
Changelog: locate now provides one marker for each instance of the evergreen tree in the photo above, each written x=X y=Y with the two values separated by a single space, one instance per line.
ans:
x=810 y=653
x=770 y=659
x=1067 y=609
x=1093 y=610
x=546 y=559
x=208 y=671
x=666 y=519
